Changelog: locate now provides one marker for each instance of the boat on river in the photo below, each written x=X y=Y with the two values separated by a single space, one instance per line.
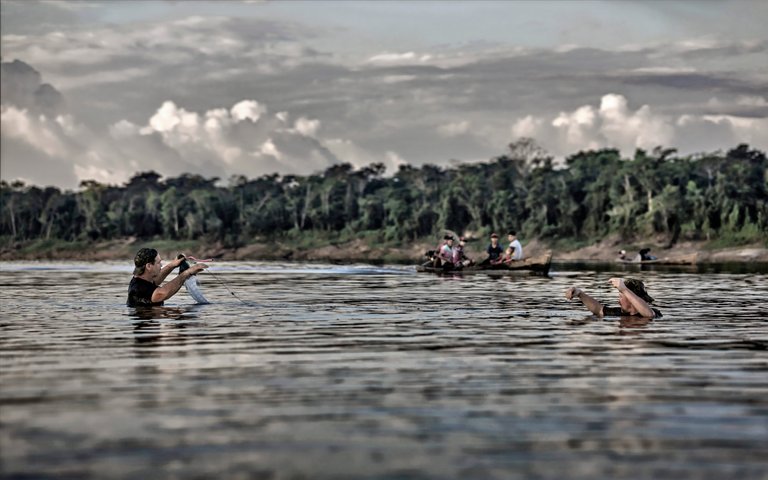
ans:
x=679 y=260
x=538 y=264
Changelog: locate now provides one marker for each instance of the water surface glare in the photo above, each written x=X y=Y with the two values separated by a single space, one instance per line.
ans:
x=323 y=371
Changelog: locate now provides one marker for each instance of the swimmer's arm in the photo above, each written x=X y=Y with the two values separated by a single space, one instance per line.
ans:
x=640 y=305
x=592 y=305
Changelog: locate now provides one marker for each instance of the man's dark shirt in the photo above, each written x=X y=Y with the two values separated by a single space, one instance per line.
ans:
x=140 y=293
x=494 y=252
x=618 y=312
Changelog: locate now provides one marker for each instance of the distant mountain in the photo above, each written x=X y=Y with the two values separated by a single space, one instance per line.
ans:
x=21 y=86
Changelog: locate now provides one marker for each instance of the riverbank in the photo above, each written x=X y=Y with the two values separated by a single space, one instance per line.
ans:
x=358 y=251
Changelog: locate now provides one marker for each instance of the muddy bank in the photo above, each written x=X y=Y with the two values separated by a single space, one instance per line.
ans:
x=607 y=251
x=358 y=251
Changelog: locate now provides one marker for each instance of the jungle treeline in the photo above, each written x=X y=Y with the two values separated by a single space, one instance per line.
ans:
x=591 y=195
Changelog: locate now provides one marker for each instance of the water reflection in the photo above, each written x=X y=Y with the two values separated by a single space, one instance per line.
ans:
x=159 y=312
x=161 y=326
x=365 y=373
x=153 y=332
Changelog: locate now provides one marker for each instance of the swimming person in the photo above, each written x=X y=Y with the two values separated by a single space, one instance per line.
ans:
x=149 y=273
x=634 y=301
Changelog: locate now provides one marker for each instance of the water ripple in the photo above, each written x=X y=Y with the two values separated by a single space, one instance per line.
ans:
x=377 y=372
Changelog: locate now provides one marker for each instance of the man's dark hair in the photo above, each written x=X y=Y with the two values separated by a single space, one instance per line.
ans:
x=142 y=258
x=512 y=232
x=638 y=288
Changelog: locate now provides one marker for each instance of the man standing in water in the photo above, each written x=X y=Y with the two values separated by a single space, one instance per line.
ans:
x=149 y=273
x=634 y=301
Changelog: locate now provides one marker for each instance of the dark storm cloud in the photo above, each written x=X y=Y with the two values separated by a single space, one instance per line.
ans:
x=696 y=81
x=725 y=50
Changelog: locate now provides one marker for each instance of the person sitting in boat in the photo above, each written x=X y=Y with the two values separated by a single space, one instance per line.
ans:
x=494 y=251
x=641 y=256
x=514 y=243
x=507 y=258
x=634 y=301
x=444 y=255
x=460 y=259
x=149 y=273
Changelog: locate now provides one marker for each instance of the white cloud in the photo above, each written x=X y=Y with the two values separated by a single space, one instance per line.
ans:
x=249 y=109
x=307 y=127
x=167 y=118
x=91 y=171
x=392 y=57
x=243 y=139
x=752 y=101
x=400 y=58
x=393 y=161
x=349 y=152
x=453 y=129
x=45 y=134
x=269 y=148
x=661 y=70
x=282 y=116
x=527 y=126
x=46 y=151
x=628 y=130
x=577 y=125
x=615 y=125
x=79 y=57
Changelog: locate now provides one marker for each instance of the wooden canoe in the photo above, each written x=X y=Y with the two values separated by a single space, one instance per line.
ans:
x=680 y=260
x=538 y=264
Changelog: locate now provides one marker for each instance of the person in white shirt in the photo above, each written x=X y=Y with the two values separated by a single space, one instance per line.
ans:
x=443 y=256
x=514 y=244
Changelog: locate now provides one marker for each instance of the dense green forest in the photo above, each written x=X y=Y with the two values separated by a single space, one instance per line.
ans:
x=594 y=194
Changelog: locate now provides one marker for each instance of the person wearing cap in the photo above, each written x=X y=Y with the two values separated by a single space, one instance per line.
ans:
x=634 y=301
x=494 y=251
x=149 y=273
x=515 y=245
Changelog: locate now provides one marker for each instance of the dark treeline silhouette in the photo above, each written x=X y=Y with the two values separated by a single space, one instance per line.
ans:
x=595 y=194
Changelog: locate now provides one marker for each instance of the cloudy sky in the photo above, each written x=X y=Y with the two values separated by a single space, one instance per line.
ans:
x=101 y=90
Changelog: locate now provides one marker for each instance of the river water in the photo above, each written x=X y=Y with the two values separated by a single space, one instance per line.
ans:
x=321 y=371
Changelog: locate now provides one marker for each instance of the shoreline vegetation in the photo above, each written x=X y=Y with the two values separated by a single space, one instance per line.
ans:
x=359 y=251
x=587 y=207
